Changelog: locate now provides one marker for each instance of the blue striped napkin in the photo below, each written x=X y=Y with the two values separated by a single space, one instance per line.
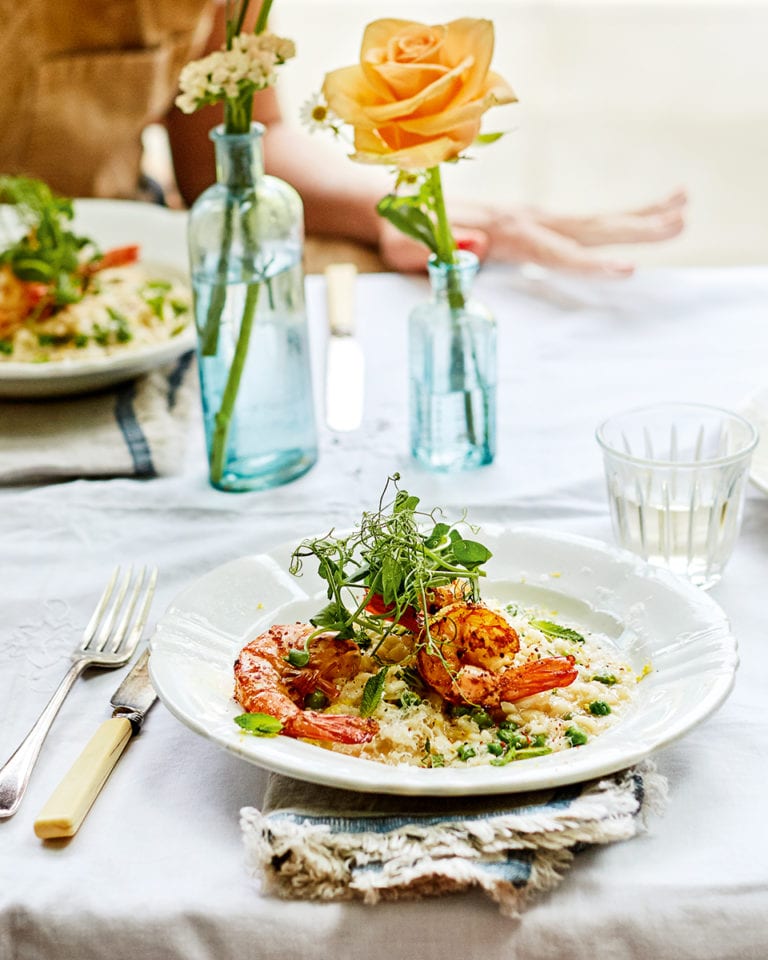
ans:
x=320 y=843
x=136 y=429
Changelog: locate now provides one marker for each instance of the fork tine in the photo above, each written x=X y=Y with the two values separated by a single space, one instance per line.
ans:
x=122 y=627
x=125 y=642
x=109 y=623
x=141 y=619
x=101 y=606
x=121 y=631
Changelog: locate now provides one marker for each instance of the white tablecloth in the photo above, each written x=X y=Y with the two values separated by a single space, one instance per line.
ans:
x=157 y=870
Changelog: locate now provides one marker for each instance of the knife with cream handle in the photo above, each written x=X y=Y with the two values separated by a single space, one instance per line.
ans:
x=72 y=799
x=345 y=364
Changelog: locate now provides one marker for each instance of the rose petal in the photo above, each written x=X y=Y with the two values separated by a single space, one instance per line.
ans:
x=498 y=88
x=394 y=145
x=462 y=113
x=349 y=95
x=426 y=101
x=376 y=81
x=420 y=44
x=406 y=80
x=477 y=36
x=378 y=34
x=418 y=157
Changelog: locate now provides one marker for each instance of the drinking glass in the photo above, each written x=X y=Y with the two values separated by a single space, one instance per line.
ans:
x=676 y=476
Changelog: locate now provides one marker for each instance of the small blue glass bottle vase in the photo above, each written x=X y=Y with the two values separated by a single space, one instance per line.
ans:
x=452 y=372
x=245 y=238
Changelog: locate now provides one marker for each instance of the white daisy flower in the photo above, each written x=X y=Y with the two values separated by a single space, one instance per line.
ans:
x=315 y=114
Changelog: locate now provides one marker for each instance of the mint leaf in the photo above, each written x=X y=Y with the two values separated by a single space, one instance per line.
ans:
x=259 y=724
x=555 y=631
x=374 y=687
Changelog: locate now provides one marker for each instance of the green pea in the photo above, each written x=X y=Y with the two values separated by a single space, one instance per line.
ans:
x=316 y=700
x=577 y=737
x=481 y=718
x=298 y=658
x=606 y=678
x=599 y=708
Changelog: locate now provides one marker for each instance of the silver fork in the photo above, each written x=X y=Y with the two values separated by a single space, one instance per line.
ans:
x=108 y=641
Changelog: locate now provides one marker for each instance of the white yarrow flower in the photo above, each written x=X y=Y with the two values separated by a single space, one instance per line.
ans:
x=248 y=66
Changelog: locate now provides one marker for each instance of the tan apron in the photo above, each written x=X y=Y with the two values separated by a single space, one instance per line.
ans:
x=80 y=80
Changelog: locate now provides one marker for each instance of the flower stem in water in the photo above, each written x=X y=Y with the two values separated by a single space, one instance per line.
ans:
x=223 y=420
x=209 y=335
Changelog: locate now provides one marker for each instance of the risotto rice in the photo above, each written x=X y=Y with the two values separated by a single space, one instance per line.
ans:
x=418 y=728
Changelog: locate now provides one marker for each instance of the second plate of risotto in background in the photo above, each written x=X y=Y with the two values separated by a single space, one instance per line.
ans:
x=134 y=315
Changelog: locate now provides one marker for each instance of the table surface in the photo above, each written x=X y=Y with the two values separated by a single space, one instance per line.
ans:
x=157 y=870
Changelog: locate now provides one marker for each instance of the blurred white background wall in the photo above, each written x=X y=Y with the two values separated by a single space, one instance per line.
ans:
x=621 y=101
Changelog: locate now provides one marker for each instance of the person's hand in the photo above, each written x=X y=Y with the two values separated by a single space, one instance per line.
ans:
x=532 y=236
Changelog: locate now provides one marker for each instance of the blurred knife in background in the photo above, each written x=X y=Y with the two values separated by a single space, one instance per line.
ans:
x=345 y=364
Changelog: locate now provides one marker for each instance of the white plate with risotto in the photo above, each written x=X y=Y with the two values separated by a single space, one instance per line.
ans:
x=137 y=319
x=654 y=656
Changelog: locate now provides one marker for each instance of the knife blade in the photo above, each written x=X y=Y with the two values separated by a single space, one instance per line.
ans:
x=73 y=798
x=345 y=363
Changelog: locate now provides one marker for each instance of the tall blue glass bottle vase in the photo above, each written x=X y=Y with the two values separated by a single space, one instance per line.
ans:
x=452 y=372
x=245 y=237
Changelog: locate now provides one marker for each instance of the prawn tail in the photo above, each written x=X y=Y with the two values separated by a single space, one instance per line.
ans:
x=337 y=727
x=536 y=677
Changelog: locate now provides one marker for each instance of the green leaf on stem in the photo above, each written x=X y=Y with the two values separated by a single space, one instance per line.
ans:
x=406 y=214
x=470 y=554
x=484 y=139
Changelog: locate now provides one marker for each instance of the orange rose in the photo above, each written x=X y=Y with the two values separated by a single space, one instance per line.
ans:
x=419 y=93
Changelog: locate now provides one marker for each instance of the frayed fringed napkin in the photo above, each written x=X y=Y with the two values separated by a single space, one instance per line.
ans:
x=318 y=843
x=137 y=429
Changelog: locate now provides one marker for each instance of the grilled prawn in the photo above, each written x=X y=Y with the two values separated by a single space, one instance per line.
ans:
x=469 y=654
x=266 y=683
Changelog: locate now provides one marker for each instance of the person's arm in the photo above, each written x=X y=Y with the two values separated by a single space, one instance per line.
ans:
x=339 y=197
x=528 y=235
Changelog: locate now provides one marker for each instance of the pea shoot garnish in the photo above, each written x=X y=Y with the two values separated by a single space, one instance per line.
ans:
x=49 y=253
x=381 y=575
x=409 y=699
